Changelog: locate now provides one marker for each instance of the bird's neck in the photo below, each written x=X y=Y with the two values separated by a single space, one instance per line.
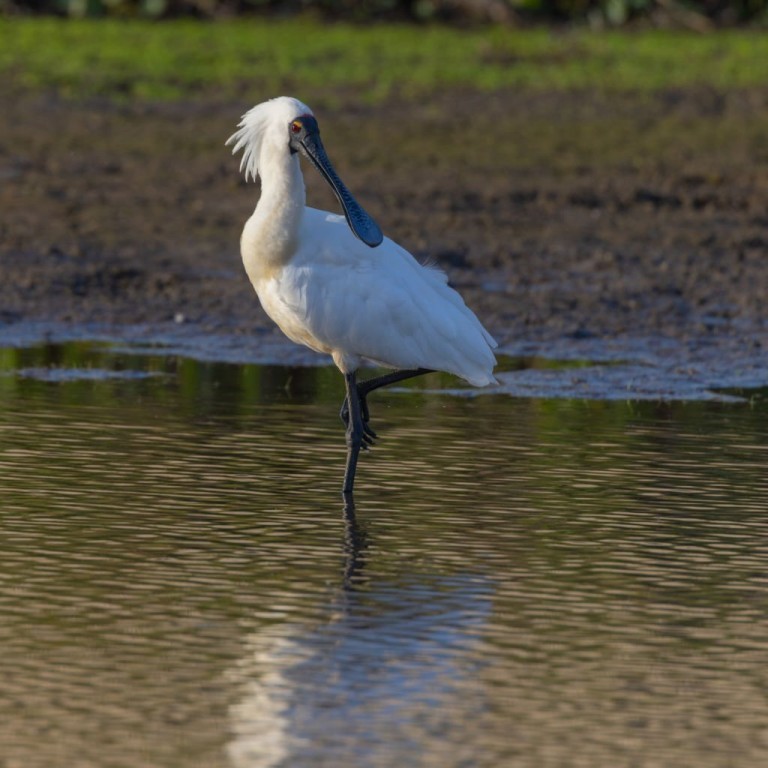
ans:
x=270 y=237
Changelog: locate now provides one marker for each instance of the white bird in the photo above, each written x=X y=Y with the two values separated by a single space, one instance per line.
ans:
x=341 y=287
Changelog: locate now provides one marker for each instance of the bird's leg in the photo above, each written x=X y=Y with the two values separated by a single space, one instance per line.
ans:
x=364 y=388
x=368 y=434
x=355 y=432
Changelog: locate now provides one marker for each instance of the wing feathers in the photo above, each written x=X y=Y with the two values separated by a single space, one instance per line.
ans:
x=381 y=304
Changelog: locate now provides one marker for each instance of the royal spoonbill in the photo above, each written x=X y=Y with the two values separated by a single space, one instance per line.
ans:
x=336 y=284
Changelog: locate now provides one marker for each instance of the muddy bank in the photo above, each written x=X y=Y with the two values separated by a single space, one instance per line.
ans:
x=562 y=218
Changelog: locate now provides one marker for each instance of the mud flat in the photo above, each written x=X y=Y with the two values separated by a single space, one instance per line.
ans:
x=619 y=228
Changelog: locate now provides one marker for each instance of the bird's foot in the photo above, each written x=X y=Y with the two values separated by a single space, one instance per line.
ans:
x=357 y=438
x=368 y=433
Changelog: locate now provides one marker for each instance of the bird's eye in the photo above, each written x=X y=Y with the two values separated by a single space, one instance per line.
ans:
x=296 y=126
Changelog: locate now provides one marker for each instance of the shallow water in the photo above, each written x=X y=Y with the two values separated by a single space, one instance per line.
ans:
x=525 y=582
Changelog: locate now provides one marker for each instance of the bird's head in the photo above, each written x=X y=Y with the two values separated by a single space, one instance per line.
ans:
x=287 y=125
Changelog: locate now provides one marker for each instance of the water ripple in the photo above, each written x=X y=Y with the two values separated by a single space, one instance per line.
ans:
x=528 y=583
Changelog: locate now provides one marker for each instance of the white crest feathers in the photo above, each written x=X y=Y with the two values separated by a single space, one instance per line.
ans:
x=270 y=116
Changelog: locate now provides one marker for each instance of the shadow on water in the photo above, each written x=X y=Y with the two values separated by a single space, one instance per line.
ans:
x=521 y=581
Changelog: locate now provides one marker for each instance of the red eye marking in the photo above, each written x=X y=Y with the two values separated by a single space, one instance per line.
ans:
x=296 y=126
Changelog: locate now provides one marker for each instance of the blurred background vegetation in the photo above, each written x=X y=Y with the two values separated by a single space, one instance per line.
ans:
x=700 y=15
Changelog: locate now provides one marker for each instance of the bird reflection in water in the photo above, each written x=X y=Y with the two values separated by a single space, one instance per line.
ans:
x=355 y=544
x=391 y=659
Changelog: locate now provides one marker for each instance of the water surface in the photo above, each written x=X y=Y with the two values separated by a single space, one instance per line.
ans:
x=525 y=582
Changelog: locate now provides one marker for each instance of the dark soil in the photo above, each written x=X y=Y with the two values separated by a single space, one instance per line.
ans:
x=560 y=217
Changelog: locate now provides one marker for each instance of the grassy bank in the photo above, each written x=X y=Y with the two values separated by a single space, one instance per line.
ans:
x=134 y=59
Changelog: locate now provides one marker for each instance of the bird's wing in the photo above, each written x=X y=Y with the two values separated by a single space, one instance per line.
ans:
x=381 y=304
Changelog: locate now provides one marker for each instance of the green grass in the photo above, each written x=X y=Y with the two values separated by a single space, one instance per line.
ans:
x=135 y=59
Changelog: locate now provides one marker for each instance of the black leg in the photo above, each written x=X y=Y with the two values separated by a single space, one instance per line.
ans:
x=354 y=413
x=366 y=387
x=355 y=432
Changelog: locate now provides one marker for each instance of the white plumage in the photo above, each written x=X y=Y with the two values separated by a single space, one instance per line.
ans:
x=336 y=285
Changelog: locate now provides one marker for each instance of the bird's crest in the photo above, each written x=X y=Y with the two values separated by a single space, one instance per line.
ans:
x=256 y=123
